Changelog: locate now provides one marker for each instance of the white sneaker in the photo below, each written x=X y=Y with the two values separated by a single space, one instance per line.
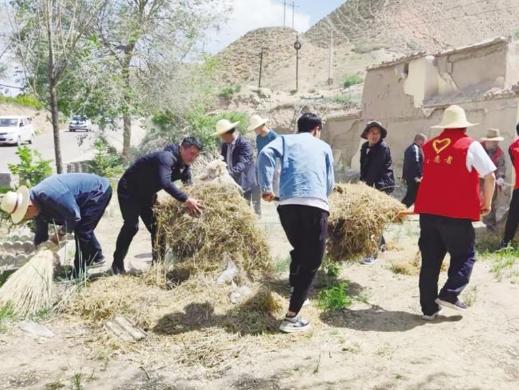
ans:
x=294 y=325
x=368 y=261
x=433 y=316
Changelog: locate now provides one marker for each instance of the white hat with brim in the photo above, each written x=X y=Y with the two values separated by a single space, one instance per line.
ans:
x=454 y=117
x=256 y=121
x=493 y=135
x=16 y=204
x=224 y=125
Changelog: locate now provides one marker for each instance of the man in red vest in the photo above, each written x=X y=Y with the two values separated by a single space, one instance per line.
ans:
x=448 y=202
x=513 y=212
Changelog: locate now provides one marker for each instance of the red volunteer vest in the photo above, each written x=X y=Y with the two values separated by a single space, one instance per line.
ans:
x=448 y=189
x=514 y=153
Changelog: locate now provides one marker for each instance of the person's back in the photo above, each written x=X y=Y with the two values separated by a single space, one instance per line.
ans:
x=82 y=187
x=305 y=167
x=143 y=175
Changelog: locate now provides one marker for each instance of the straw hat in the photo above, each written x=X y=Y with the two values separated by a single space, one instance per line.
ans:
x=493 y=135
x=383 y=131
x=224 y=125
x=454 y=117
x=256 y=121
x=16 y=203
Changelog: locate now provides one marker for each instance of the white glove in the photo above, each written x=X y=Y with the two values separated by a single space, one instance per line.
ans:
x=500 y=182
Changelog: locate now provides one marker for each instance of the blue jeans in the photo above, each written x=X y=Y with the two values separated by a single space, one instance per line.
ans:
x=439 y=236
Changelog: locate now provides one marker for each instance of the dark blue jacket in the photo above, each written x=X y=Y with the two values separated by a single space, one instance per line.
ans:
x=157 y=171
x=64 y=199
x=243 y=169
x=376 y=166
x=413 y=163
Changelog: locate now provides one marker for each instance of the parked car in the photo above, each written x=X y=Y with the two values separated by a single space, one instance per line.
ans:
x=80 y=123
x=15 y=130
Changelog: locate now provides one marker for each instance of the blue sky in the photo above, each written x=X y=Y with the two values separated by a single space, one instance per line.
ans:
x=252 y=14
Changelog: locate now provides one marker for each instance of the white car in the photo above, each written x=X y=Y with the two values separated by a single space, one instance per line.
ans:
x=15 y=130
x=80 y=123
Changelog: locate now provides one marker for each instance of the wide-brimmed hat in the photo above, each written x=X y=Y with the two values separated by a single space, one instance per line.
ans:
x=16 y=203
x=454 y=117
x=493 y=135
x=256 y=121
x=224 y=125
x=383 y=131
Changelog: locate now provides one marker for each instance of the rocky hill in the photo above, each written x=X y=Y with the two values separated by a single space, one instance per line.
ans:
x=365 y=32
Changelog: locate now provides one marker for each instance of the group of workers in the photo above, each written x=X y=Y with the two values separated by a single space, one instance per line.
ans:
x=443 y=177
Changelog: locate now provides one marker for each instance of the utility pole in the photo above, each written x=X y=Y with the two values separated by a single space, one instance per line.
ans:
x=297 y=46
x=293 y=12
x=330 y=68
x=261 y=66
x=284 y=12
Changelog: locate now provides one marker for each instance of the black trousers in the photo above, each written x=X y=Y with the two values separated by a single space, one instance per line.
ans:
x=87 y=246
x=410 y=195
x=132 y=208
x=512 y=222
x=439 y=236
x=306 y=228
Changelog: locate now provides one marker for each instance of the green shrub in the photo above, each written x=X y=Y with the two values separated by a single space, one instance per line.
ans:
x=342 y=99
x=335 y=297
x=172 y=128
x=107 y=162
x=352 y=79
x=229 y=91
x=22 y=100
x=31 y=169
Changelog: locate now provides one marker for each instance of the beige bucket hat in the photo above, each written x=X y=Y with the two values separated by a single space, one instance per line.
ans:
x=454 y=117
x=493 y=135
x=224 y=125
x=16 y=203
x=256 y=121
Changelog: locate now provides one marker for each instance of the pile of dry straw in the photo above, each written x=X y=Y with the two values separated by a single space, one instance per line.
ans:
x=358 y=216
x=226 y=230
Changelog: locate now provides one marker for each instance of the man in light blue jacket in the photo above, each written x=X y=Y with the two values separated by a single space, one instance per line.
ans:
x=306 y=181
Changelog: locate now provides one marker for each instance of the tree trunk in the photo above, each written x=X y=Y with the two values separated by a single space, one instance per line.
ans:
x=53 y=95
x=127 y=117
x=53 y=102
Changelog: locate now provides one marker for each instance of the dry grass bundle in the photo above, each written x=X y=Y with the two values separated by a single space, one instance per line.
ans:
x=358 y=216
x=411 y=267
x=31 y=288
x=226 y=229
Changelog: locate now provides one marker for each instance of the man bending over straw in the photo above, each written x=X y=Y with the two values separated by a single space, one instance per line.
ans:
x=307 y=178
x=137 y=193
x=75 y=201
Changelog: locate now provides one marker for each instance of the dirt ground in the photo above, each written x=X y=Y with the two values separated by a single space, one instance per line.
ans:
x=380 y=342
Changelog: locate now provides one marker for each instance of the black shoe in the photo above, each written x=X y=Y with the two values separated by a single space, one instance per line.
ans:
x=118 y=270
x=455 y=305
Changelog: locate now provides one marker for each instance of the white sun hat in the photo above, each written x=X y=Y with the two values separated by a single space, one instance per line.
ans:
x=16 y=203
x=224 y=125
x=454 y=117
x=256 y=121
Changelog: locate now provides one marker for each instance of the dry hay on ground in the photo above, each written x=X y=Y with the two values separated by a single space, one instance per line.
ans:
x=225 y=230
x=358 y=217
x=194 y=321
x=31 y=288
x=411 y=267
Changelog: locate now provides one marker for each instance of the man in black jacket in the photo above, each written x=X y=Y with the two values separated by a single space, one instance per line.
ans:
x=413 y=168
x=238 y=154
x=137 y=193
x=376 y=167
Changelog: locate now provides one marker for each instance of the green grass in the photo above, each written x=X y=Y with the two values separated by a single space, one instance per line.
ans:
x=335 y=297
x=6 y=315
x=22 y=100
x=502 y=262
x=230 y=91
x=342 y=99
x=282 y=265
x=352 y=79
